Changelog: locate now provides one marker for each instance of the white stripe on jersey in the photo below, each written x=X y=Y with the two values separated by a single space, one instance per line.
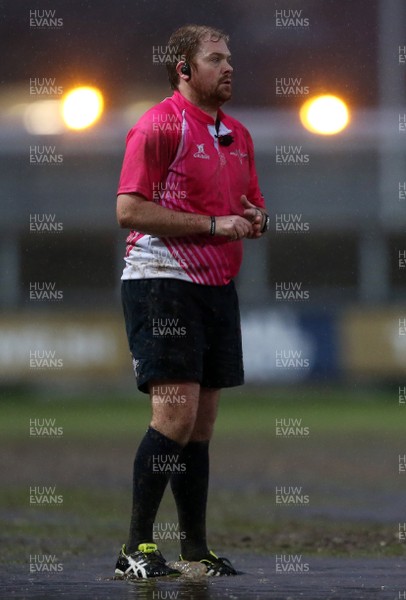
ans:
x=150 y=258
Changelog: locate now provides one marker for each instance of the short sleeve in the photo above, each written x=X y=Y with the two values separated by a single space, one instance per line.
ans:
x=150 y=149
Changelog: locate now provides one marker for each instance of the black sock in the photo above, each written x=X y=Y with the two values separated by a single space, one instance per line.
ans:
x=154 y=454
x=190 y=492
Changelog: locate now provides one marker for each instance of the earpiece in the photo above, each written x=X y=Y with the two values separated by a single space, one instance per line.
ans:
x=185 y=69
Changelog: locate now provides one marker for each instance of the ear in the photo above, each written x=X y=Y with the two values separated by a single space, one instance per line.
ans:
x=183 y=73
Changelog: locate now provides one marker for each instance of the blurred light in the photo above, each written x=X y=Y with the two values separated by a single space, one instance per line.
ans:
x=325 y=115
x=82 y=107
x=135 y=110
x=43 y=118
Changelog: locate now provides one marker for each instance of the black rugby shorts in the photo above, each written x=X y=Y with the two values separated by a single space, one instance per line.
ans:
x=178 y=330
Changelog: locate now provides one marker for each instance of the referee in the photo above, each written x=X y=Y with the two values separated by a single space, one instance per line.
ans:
x=189 y=195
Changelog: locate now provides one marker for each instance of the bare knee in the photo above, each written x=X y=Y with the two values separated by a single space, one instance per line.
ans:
x=174 y=409
x=174 y=428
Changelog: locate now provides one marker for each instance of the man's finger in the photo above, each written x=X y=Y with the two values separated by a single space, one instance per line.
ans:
x=254 y=217
x=245 y=202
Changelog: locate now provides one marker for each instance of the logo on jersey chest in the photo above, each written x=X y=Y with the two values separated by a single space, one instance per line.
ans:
x=240 y=155
x=200 y=152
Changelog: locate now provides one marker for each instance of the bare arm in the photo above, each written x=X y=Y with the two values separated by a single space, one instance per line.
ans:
x=135 y=212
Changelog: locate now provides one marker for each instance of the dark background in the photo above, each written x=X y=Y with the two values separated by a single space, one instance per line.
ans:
x=110 y=45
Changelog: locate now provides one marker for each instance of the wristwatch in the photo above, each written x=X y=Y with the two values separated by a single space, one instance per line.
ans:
x=267 y=223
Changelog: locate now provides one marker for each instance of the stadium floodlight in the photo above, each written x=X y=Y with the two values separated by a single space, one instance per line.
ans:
x=325 y=115
x=82 y=107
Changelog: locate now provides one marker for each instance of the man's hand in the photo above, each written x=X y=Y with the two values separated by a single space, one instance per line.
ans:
x=233 y=227
x=255 y=216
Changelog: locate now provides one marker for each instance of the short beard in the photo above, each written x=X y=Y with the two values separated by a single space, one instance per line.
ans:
x=215 y=97
x=224 y=96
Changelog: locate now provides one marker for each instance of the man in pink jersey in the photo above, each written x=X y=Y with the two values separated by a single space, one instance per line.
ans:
x=189 y=194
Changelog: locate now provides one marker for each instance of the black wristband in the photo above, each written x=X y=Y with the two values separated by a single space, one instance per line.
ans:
x=213 y=226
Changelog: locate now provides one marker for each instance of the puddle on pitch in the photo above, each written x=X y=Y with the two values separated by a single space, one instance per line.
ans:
x=327 y=579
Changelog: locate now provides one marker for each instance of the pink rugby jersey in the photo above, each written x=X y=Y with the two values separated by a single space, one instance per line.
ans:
x=173 y=158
